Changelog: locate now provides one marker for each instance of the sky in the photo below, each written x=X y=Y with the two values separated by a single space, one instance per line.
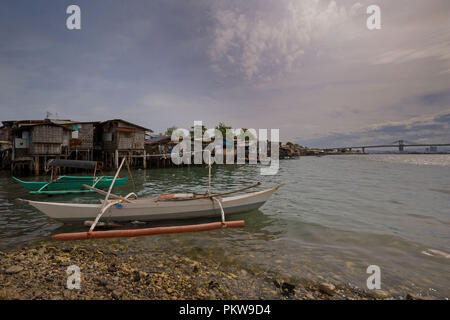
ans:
x=310 y=68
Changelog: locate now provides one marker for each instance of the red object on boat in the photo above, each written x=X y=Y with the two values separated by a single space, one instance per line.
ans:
x=147 y=232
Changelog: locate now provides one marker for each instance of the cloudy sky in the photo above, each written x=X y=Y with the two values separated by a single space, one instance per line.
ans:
x=308 y=67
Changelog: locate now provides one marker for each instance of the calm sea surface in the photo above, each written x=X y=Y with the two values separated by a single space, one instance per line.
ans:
x=335 y=216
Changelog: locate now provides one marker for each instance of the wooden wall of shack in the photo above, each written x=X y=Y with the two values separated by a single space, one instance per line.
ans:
x=6 y=134
x=119 y=135
x=48 y=139
x=5 y=146
x=82 y=137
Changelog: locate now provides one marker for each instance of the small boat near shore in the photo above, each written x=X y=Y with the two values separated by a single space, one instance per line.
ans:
x=164 y=207
x=70 y=184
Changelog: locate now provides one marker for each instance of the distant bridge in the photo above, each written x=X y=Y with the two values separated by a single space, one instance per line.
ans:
x=401 y=144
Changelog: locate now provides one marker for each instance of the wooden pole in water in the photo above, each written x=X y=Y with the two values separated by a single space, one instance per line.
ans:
x=131 y=175
x=144 y=158
x=36 y=165
x=116 y=159
x=209 y=171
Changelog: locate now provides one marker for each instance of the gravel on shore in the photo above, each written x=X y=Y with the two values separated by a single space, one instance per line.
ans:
x=112 y=270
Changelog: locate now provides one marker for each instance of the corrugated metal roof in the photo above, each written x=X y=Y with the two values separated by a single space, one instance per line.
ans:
x=130 y=123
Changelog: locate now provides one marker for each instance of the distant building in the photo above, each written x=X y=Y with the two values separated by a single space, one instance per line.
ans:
x=28 y=144
x=82 y=139
x=33 y=141
x=158 y=145
x=117 y=137
x=118 y=134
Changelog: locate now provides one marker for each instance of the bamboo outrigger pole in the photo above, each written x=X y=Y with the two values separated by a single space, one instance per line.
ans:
x=148 y=231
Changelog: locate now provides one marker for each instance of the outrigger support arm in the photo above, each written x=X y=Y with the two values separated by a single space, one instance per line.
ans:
x=107 y=205
x=104 y=209
x=111 y=194
x=219 y=201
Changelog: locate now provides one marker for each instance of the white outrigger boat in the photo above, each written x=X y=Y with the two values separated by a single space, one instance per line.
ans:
x=164 y=207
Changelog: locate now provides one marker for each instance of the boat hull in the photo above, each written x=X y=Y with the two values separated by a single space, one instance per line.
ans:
x=154 y=209
x=67 y=184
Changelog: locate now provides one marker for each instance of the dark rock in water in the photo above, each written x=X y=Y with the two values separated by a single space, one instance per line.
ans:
x=213 y=285
x=276 y=283
x=14 y=269
x=287 y=289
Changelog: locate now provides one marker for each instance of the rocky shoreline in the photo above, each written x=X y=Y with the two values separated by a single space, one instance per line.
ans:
x=112 y=270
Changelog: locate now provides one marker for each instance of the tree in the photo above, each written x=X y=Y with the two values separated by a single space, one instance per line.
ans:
x=247 y=135
x=203 y=130
x=222 y=127
x=170 y=130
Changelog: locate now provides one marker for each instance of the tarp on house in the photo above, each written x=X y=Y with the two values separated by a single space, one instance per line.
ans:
x=159 y=139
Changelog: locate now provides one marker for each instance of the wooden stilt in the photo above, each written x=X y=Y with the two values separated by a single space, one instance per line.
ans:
x=36 y=165
x=116 y=159
x=144 y=159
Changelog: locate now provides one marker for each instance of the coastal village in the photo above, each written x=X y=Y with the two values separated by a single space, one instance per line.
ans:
x=27 y=145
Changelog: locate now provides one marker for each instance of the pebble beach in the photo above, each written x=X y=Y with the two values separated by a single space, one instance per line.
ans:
x=114 y=271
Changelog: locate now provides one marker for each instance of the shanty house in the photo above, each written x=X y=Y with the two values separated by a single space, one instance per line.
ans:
x=158 y=145
x=33 y=141
x=118 y=138
x=40 y=138
x=119 y=135
x=82 y=138
x=5 y=134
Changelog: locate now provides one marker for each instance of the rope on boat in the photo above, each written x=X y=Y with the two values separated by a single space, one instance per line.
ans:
x=221 y=208
x=131 y=194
